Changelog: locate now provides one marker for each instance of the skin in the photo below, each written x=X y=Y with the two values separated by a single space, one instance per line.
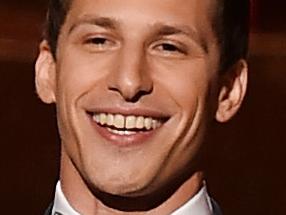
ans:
x=141 y=57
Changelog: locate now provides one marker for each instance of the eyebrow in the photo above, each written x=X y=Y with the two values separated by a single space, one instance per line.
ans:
x=104 y=22
x=161 y=29
x=166 y=30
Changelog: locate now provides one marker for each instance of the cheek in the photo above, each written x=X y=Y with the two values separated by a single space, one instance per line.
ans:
x=187 y=83
x=77 y=75
x=79 y=72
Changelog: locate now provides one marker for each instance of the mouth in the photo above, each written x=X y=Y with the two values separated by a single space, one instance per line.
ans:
x=126 y=129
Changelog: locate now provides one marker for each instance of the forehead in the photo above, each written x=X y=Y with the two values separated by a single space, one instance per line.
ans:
x=193 y=10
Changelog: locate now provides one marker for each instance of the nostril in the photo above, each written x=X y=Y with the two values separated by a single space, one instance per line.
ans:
x=131 y=96
x=137 y=96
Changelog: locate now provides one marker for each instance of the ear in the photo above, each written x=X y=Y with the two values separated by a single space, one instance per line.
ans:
x=232 y=91
x=45 y=77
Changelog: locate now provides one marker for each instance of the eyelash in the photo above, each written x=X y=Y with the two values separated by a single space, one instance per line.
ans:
x=170 y=48
x=98 y=43
x=96 y=40
x=166 y=47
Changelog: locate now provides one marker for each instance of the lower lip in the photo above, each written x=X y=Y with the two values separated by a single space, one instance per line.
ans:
x=124 y=140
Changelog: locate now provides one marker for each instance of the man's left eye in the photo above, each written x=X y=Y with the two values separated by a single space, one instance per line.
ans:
x=169 y=47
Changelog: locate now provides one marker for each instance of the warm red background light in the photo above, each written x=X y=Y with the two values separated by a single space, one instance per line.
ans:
x=247 y=174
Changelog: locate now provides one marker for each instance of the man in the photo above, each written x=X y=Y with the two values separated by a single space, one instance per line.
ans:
x=136 y=84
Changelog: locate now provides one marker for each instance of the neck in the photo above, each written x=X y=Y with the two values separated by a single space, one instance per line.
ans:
x=86 y=202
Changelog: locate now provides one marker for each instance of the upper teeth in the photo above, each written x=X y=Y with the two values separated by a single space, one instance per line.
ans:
x=126 y=122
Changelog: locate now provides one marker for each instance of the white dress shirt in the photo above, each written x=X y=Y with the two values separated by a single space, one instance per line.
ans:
x=200 y=204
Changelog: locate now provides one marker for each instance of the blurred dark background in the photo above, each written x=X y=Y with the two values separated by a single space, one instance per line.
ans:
x=248 y=168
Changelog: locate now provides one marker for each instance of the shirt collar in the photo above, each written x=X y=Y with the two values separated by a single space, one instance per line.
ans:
x=61 y=204
x=199 y=204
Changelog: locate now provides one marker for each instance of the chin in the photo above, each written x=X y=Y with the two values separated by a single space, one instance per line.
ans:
x=126 y=187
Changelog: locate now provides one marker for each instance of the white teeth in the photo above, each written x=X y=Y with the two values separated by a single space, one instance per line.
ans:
x=148 y=123
x=110 y=119
x=130 y=122
x=96 y=118
x=126 y=122
x=140 y=122
x=121 y=132
x=103 y=118
x=119 y=121
x=155 y=124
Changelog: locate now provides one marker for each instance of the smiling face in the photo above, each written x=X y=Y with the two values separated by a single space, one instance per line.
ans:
x=135 y=84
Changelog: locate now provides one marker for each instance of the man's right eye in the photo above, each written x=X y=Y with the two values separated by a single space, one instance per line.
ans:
x=96 y=41
x=99 y=43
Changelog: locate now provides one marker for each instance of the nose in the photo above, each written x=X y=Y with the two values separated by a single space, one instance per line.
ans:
x=131 y=76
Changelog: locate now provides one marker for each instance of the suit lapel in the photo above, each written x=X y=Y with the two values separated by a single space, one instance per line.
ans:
x=49 y=209
x=216 y=208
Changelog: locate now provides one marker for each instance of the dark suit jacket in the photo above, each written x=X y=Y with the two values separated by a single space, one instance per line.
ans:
x=49 y=210
x=216 y=208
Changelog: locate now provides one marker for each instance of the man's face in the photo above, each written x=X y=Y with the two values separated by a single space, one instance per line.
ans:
x=135 y=87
